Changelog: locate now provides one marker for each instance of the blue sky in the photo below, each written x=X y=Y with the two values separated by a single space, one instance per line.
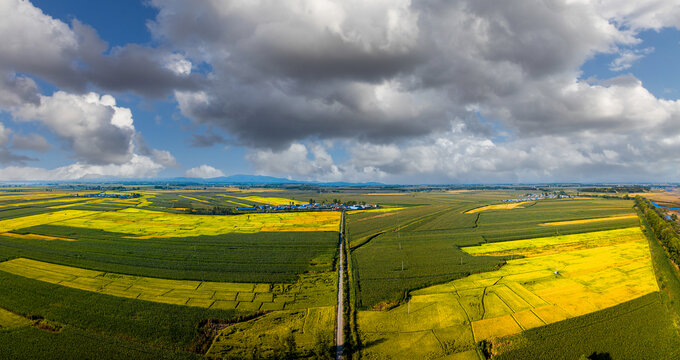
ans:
x=340 y=90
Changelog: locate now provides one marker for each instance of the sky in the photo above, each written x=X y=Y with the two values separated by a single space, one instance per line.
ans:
x=394 y=91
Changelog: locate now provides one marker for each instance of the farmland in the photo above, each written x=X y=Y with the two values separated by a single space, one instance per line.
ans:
x=502 y=272
x=523 y=294
x=183 y=274
x=129 y=271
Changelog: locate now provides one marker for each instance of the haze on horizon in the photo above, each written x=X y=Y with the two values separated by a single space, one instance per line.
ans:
x=393 y=91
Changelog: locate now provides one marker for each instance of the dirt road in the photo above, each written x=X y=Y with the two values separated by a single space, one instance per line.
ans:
x=339 y=334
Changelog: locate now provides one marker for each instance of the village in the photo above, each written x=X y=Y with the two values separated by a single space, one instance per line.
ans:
x=309 y=207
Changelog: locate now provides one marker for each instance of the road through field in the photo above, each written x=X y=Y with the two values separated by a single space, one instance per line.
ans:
x=339 y=335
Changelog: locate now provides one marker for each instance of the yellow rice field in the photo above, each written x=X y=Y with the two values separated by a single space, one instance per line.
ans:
x=234 y=202
x=267 y=331
x=36 y=237
x=193 y=198
x=380 y=210
x=10 y=320
x=255 y=190
x=271 y=200
x=505 y=206
x=207 y=294
x=586 y=221
x=523 y=294
x=555 y=244
x=148 y=224
x=8 y=225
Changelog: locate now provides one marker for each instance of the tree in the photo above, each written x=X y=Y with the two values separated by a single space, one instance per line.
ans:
x=290 y=346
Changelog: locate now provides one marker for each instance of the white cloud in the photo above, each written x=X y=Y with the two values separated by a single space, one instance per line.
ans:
x=137 y=167
x=204 y=171
x=178 y=64
x=31 y=141
x=375 y=78
x=627 y=57
x=4 y=135
x=33 y=41
x=164 y=158
x=299 y=160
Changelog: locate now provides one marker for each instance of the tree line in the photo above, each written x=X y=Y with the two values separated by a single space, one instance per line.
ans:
x=665 y=231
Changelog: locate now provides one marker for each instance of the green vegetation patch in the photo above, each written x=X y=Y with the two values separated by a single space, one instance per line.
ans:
x=73 y=343
x=256 y=257
x=296 y=334
x=637 y=329
x=427 y=239
x=159 y=324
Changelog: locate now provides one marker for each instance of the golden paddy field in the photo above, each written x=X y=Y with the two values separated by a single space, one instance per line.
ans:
x=265 y=332
x=150 y=224
x=505 y=206
x=380 y=210
x=544 y=288
x=271 y=200
x=586 y=221
x=9 y=320
x=216 y=295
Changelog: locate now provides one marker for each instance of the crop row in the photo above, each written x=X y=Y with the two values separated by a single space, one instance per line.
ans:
x=258 y=257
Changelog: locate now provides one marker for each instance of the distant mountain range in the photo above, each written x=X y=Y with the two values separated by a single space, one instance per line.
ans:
x=227 y=180
x=259 y=180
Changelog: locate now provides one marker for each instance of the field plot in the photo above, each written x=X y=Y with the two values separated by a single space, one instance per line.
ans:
x=264 y=337
x=637 y=329
x=555 y=244
x=523 y=294
x=9 y=320
x=585 y=221
x=269 y=257
x=270 y=200
x=41 y=219
x=149 y=224
x=506 y=206
x=314 y=289
x=36 y=237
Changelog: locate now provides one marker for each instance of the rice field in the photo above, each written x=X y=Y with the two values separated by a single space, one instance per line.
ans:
x=310 y=290
x=523 y=294
x=10 y=320
x=149 y=224
x=271 y=200
x=36 y=237
x=372 y=211
x=8 y=225
x=555 y=244
x=311 y=329
x=586 y=221
x=505 y=206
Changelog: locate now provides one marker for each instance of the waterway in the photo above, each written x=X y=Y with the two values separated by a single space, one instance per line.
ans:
x=665 y=207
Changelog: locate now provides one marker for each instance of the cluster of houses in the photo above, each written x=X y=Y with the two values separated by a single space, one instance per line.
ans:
x=308 y=207
x=534 y=197
x=110 y=196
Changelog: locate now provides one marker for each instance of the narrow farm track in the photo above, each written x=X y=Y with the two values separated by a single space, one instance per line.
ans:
x=339 y=334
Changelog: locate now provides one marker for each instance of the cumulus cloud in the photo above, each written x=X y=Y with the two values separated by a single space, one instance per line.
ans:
x=207 y=140
x=203 y=171
x=35 y=142
x=73 y=56
x=100 y=136
x=16 y=90
x=91 y=125
x=628 y=57
x=461 y=90
x=313 y=162
x=137 y=167
x=381 y=71
x=7 y=156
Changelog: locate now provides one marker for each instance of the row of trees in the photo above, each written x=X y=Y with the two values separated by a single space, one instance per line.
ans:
x=216 y=210
x=665 y=231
